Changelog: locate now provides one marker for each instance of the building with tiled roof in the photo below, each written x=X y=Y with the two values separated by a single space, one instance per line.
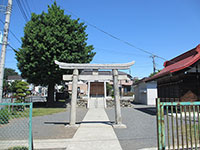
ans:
x=14 y=78
x=180 y=78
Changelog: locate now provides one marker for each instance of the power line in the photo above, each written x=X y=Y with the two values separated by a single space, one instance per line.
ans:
x=12 y=33
x=32 y=5
x=22 y=10
x=123 y=41
x=25 y=9
x=15 y=37
x=12 y=47
x=117 y=52
x=27 y=4
x=117 y=38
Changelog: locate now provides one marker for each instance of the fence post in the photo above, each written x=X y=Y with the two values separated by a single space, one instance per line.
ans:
x=158 y=117
x=162 y=127
x=158 y=122
x=30 y=127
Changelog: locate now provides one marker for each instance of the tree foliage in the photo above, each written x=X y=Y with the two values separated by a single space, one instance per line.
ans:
x=152 y=74
x=21 y=91
x=109 y=89
x=48 y=37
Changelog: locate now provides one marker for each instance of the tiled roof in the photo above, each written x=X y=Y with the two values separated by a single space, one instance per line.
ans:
x=179 y=63
x=14 y=77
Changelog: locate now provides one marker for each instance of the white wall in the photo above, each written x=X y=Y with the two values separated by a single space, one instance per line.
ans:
x=140 y=93
x=151 y=92
x=136 y=95
x=146 y=93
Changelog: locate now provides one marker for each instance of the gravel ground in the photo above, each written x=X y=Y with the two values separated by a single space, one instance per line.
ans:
x=141 y=129
x=53 y=126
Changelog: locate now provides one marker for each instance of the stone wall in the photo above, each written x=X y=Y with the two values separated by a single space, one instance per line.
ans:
x=123 y=103
x=110 y=103
x=81 y=103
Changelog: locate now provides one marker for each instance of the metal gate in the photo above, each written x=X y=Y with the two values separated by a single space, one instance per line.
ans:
x=178 y=125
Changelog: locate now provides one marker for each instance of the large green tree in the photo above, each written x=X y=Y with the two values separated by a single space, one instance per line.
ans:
x=48 y=37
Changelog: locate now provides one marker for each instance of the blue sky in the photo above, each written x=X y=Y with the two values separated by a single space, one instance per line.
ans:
x=165 y=28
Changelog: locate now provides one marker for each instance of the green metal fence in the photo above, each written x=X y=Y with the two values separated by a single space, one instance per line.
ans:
x=16 y=126
x=178 y=125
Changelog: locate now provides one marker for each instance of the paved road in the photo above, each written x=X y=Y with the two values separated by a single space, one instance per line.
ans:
x=53 y=126
x=141 y=127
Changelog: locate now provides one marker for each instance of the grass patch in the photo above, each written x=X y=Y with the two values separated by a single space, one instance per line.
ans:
x=9 y=113
x=62 y=100
x=46 y=111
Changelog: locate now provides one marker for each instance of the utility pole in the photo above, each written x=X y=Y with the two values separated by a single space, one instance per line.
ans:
x=4 y=45
x=154 y=64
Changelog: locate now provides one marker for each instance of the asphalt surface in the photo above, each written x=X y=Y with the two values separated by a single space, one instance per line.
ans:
x=16 y=129
x=53 y=126
x=141 y=127
x=44 y=127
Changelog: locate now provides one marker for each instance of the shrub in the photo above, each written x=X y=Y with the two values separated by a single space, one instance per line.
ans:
x=18 y=148
x=112 y=93
x=20 y=107
x=4 y=116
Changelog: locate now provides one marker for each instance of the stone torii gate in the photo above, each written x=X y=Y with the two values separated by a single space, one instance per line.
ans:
x=75 y=77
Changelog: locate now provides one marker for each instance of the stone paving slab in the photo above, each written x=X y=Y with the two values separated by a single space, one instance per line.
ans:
x=95 y=133
x=5 y=144
x=37 y=144
x=51 y=144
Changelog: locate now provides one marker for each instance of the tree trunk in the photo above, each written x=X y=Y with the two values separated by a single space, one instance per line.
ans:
x=50 y=99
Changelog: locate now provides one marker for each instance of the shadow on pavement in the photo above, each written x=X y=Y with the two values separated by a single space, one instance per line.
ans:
x=148 y=110
x=53 y=105
x=82 y=122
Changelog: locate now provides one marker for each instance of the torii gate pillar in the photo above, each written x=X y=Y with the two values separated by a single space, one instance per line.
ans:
x=74 y=98
x=118 y=116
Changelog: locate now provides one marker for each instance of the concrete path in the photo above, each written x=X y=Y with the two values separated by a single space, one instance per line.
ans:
x=97 y=102
x=95 y=133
